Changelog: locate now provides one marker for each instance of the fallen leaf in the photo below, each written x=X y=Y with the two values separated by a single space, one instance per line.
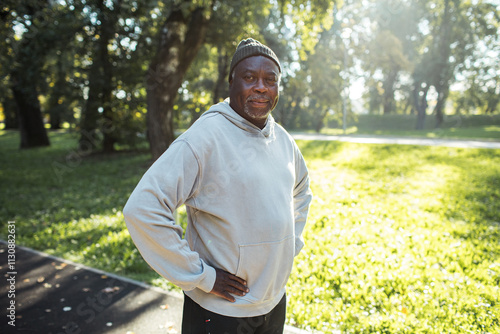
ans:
x=171 y=330
x=47 y=285
x=61 y=266
x=110 y=289
x=86 y=289
x=109 y=324
x=26 y=280
x=40 y=279
x=170 y=327
x=164 y=307
x=104 y=276
x=67 y=308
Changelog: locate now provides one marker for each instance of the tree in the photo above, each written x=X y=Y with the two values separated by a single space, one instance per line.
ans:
x=326 y=84
x=7 y=101
x=183 y=34
x=389 y=49
x=34 y=28
x=25 y=73
x=181 y=37
x=456 y=29
x=116 y=40
x=100 y=82
x=388 y=55
x=59 y=92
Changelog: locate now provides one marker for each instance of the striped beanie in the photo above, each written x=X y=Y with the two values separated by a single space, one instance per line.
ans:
x=248 y=48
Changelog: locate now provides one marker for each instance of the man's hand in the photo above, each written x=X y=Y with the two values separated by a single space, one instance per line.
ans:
x=227 y=284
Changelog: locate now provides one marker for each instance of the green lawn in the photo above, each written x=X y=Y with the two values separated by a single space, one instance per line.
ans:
x=484 y=127
x=401 y=239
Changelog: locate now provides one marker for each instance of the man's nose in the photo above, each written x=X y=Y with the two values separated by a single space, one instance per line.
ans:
x=260 y=85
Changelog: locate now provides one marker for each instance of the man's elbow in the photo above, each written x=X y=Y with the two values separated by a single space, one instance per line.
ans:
x=129 y=212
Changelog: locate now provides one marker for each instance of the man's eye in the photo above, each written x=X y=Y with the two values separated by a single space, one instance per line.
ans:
x=272 y=80
x=248 y=77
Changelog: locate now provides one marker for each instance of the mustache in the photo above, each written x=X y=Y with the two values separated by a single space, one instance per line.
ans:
x=260 y=98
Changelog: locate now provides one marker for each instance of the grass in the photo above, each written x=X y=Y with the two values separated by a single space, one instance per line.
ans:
x=484 y=127
x=400 y=239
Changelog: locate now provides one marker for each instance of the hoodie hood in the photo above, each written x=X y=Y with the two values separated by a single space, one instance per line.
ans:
x=225 y=110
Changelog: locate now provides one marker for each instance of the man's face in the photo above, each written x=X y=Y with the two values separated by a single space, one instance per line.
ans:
x=253 y=90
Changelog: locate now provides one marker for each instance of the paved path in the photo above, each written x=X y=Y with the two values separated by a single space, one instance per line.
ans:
x=464 y=143
x=56 y=296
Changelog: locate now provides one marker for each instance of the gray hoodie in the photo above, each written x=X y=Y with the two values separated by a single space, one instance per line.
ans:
x=247 y=196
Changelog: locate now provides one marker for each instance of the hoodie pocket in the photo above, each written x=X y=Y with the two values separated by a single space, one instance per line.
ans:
x=266 y=267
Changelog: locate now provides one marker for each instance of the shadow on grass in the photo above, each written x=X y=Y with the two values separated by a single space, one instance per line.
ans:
x=66 y=203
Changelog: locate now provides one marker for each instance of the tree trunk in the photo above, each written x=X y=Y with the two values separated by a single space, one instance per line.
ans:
x=56 y=108
x=443 y=93
x=10 y=112
x=492 y=100
x=444 y=71
x=25 y=77
x=108 y=124
x=90 y=115
x=420 y=100
x=31 y=125
x=98 y=116
x=388 y=96
x=181 y=39
x=220 y=89
x=320 y=123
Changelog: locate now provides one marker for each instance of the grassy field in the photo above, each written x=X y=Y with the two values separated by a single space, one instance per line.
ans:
x=484 y=127
x=401 y=239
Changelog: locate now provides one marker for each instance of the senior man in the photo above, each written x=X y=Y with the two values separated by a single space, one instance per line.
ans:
x=246 y=189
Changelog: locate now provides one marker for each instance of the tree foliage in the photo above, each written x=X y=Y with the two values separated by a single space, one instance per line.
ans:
x=119 y=70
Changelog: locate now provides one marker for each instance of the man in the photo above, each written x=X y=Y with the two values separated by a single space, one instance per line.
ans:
x=246 y=190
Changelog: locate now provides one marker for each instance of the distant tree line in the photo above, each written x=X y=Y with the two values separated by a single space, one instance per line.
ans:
x=116 y=70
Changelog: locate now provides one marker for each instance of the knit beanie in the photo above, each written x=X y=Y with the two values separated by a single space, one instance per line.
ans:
x=250 y=47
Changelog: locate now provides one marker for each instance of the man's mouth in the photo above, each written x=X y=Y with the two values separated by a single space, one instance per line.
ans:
x=258 y=101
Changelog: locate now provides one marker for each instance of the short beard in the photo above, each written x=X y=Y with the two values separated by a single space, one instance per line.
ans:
x=253 y=115
x=248 y=112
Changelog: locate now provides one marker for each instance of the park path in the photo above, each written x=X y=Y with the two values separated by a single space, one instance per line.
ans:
x=41 y=293
x=462 y=143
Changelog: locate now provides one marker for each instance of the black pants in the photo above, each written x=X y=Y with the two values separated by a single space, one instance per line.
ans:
x=197 y=320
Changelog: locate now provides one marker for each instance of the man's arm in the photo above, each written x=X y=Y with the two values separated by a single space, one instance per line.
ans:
x=149 y=215
x=302 y=197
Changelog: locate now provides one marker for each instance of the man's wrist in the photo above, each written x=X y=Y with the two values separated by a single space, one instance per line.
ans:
x=208 y=281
